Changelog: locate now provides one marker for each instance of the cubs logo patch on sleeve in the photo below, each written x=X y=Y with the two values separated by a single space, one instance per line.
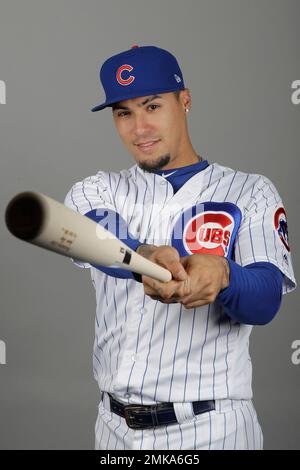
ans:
x=280 y=223
x=210 y=227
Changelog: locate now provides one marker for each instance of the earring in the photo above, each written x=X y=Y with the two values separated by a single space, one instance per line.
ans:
x=186 y=110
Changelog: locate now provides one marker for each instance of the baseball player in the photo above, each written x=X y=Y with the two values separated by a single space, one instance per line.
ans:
x=172 y=359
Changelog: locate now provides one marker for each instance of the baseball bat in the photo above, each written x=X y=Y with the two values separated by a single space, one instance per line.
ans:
x=43 y=221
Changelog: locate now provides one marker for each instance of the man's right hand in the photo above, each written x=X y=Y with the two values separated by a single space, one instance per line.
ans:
x=167 y=257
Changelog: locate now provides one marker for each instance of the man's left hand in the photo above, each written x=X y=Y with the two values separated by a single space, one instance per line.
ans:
x=207 y=276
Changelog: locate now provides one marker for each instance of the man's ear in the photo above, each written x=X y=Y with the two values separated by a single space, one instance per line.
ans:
x=186 y=99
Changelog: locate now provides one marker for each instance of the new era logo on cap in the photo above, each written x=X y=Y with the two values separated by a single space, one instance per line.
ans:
x=178 y=79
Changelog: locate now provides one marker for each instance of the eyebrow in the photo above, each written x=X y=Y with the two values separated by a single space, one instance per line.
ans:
x=148 y=100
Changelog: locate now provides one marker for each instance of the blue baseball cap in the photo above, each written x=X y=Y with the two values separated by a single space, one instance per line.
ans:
x=139 y=71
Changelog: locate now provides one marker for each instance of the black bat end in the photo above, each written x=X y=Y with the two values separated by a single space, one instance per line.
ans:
x=24 y=216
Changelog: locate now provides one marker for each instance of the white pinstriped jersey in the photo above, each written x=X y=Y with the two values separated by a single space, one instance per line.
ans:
x=146 y=351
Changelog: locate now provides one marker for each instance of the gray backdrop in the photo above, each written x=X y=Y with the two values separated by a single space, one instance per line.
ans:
x=239 y=59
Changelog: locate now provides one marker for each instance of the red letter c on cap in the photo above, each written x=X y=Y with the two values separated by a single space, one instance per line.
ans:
x=121 y=80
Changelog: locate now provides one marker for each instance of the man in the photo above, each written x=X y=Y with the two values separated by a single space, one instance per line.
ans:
x=172 y=359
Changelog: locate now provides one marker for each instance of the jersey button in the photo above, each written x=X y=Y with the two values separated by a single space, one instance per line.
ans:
x=163 y=182
x=143 y=310
x=127 y=395
x=134 y=357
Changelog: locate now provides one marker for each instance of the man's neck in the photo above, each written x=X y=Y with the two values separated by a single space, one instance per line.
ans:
x=181 y=162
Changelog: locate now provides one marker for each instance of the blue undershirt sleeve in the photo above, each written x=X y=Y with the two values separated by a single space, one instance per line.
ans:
x=254 y=293
x=115 y=224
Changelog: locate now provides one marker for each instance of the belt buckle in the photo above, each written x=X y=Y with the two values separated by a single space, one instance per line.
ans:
x=129 y=418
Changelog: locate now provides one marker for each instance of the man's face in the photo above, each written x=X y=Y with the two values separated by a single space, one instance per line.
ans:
x=152 y=128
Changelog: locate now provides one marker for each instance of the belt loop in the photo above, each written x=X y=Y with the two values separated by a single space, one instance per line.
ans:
x=183 y=412
x=153 y=411
x=218 y=404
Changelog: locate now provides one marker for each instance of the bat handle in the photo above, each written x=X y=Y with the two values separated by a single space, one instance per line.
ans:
x=161 y=274
x=142 y=265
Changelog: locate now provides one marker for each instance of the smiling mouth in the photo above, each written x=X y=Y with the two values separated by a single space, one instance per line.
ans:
x=148 y=145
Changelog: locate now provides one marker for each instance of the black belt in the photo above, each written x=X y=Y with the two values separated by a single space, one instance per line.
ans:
x=149 y=416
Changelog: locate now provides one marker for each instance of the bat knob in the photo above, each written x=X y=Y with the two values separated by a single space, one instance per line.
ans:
x=24 y=216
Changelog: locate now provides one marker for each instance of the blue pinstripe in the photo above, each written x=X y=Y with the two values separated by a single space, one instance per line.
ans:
x=245 y=425
x=236 y=428
x=125 y=308
x=153 y=198
x=212 y=170
x=141 y=444
x=149 y=348
x=96 y=357
x=223 y=447
x=136 y=347
x=178 y=330
x=275 y=246
x=117 y=187
x=251 y=241
x=270 y=186
x=168 y=446
x=188 y=355
x=216 y=188
x=136 y=198
x=107 y=445
x=162 y=348
x=247 y=177
x=85 y=196
x=209 y=444
x=226 y=357
x=100 y=422
x=181 y=437
x=124 y=437
x=105 y=289
x=234 y=175
x=125 y=198
x=72 y=198
x=119 y=425
x=214 y=361
x=202 y=347
x=263 y=221
x=251 y=417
